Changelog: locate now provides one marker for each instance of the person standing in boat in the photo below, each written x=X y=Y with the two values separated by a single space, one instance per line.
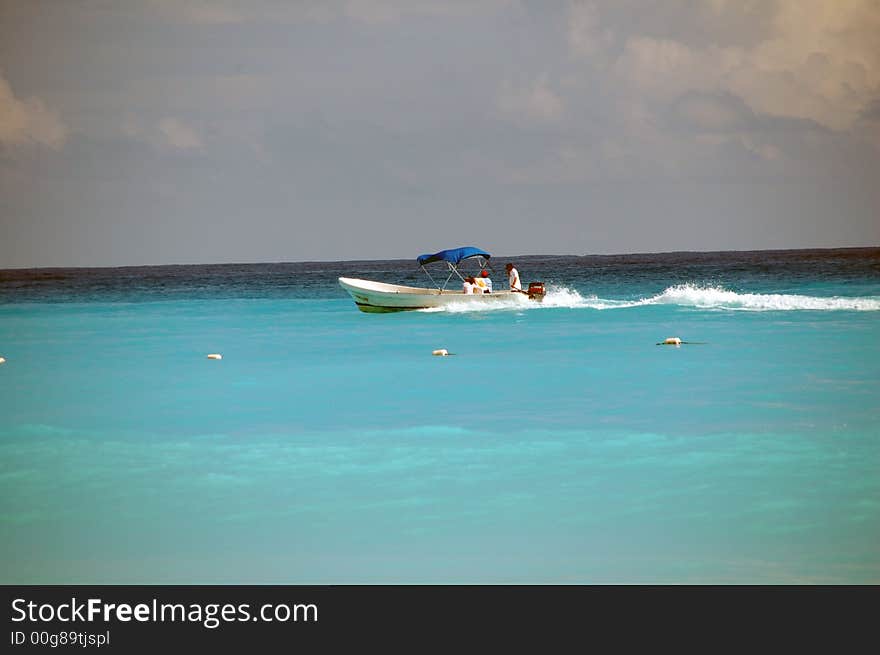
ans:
x=469 y=285
x=513 y=278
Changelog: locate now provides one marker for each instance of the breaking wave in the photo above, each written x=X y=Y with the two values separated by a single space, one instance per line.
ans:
x=683 y=295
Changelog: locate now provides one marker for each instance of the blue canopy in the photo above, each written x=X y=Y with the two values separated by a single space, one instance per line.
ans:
x=453 y=256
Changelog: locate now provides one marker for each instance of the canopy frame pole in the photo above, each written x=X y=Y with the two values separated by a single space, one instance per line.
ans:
x=452 y=271
x=433 y=281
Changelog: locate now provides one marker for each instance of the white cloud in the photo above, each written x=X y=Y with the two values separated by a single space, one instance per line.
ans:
x=665 y=69
x=818 y=59
x=28 y=122
x=167 y=133
x=534 y=102
x=713 y=113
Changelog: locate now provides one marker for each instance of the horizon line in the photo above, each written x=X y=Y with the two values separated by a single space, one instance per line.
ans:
x=343 y=261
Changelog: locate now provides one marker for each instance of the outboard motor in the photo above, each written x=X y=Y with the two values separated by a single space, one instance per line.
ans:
x=536 y=291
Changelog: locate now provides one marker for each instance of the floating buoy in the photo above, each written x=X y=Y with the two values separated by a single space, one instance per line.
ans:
x=442 y=352
x=675 y=341
x=215 y=356
x=2 y=359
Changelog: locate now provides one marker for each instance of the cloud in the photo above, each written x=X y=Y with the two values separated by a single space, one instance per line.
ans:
x=868 y=125
x=718 y=119
x=706 y=112
x=167 y=133
x=534 y=102
x=664 y=69
x=812 y=59
x=28 y=122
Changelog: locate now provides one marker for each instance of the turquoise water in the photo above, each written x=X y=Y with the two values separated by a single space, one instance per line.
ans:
x=559 y=444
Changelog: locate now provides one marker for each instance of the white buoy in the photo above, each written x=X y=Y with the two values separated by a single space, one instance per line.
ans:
x=2 y=359
x=672 y=341
x=215 y=356
x=442 y=352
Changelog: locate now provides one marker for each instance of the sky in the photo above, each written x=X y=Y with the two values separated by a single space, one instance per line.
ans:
x=192 y=131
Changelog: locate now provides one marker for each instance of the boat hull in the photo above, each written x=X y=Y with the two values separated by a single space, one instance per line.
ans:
x=379 y=297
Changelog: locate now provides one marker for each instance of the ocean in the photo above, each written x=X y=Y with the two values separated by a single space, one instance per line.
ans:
x=559 y=444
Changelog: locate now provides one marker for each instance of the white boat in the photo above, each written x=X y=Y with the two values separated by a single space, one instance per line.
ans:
x=371 y=296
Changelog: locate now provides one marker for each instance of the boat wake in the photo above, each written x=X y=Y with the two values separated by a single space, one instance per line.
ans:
x=683 y=295
x=689 y=295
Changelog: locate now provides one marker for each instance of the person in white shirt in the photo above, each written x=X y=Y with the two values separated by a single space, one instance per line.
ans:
x=469 y=285
x=513 y=278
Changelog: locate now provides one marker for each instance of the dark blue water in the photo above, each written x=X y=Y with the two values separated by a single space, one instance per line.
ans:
x=559 y=444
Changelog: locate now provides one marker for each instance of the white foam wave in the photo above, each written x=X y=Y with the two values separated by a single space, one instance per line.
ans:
x=556 y=297
x=690 y=295
x=565 y=297
x=685 y=295
x=466 y=307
